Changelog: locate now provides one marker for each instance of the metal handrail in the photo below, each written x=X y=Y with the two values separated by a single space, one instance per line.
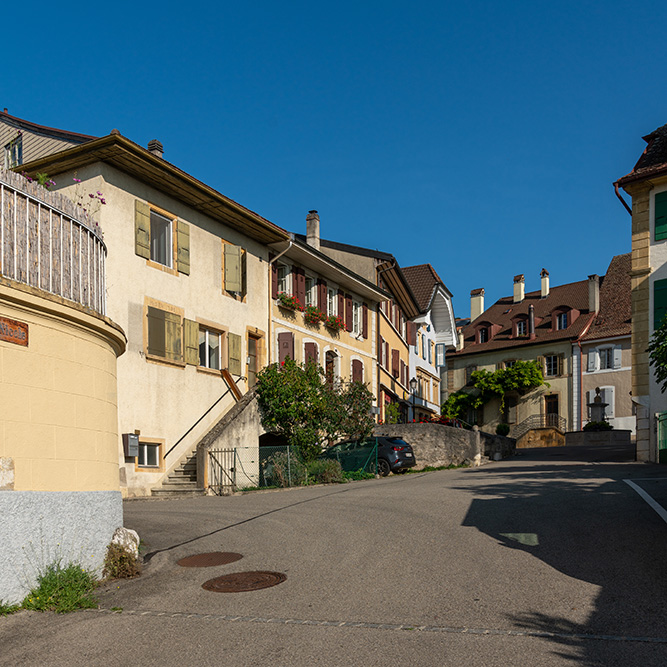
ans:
x=538 y=421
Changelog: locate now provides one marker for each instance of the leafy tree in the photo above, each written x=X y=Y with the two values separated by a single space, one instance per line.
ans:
x=657 y=354
x=298 y=403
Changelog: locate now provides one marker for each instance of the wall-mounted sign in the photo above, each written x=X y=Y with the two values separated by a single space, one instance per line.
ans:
x=12 y=331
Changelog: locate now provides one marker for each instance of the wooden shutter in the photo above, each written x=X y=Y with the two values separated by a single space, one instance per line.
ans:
x=412 y=333
x=364 y=320
x=450 y=379
x=395 y=363
x=561 y=365
x=274 y=279
x=183 y=247
x=592 y=360
x=341 y=305
x=541 y=362
x=173 y=335
x=659 y=302
x=661 y=216
x=191 y=335
x=321 y=295
x=142 y=229
x=348 y=313
x=386 y=355
x=156 y=329
x=233 y=276
x=285 y=346
x=234 y=353
x=300 y=285
x=357 y=371
x=618 y=358
x=310 y=352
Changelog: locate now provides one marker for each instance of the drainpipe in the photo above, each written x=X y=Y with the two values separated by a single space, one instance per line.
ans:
x=268 y=335
x=618 y=194
x=581 y=368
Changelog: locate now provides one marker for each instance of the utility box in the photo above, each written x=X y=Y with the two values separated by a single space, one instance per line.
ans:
x=130 y=445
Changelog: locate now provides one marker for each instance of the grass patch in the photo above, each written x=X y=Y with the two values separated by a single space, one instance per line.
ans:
x=62 y=589
x=6 y=609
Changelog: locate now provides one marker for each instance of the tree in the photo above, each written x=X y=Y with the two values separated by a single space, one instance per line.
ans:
x=657 y=354
x=299 y=403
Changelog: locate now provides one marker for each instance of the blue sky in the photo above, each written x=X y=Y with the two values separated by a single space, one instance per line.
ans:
x=482 y=137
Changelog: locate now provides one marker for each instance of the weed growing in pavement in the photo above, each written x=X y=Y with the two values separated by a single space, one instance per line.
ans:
x=120 y=564
x=62 y=589
x=433 y=469
x=6 y=609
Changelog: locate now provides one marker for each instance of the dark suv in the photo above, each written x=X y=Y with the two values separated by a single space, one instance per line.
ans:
x=393 y=455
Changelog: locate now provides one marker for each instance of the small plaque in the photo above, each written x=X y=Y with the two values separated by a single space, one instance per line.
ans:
x=12 y=331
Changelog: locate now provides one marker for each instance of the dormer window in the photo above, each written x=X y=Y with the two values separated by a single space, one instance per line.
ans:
x=483 y=334
x=521 y=328
x=485 y=331
x=562 y=317
x=561 y=321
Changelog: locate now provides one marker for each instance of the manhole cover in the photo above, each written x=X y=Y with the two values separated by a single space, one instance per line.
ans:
x=209 y=560
x=239 y=582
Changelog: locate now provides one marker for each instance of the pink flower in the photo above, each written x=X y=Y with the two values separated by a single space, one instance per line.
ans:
x=76 y=180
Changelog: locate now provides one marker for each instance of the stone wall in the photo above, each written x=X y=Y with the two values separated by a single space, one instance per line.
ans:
x=615 y=437
x=541 y=437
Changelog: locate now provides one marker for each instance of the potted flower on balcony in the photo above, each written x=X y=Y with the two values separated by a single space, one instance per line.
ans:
x=290 y=302
x=334 y=323
x=314 y=316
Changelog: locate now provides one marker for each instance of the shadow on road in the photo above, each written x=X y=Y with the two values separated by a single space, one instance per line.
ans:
x=585 y=522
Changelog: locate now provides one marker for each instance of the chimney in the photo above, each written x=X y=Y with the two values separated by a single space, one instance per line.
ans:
x=313 y=229
x=460 y=340
x=531 y=322
x=594 y=293
x=519 y=288
x=544 y=274
x=476 y=303
x=155 y=147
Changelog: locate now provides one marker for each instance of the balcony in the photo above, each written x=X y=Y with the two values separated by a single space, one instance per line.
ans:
x=49 y=244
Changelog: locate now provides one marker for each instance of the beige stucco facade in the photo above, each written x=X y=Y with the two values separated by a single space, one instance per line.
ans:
x=58 y=423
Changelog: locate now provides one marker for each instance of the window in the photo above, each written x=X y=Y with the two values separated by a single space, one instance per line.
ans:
x=659 y=302
x=483 y=335
x=149 y=455
x=332 y=301
x=356 y=318
x=311 y=291
x=14 y=153
x=233 y=270
x=551 y=365
x=509 y=363
x=440 y=355
x=253 y=360
x=210 y=346
x=423 y=354
x=521 y=327
x=161 y=238
x=606 y=358
x=430 y=352
x=284 y=283
x=164 y=334
x=561 y=321
x=661 y=216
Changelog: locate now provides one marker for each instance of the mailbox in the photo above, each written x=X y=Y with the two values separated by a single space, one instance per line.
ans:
x=131 y=445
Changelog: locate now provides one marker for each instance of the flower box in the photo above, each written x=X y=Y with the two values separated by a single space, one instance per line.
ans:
x=290 y=302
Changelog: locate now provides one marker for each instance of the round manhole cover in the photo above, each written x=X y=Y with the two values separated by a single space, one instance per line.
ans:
x=239 y=582
x=210 y=559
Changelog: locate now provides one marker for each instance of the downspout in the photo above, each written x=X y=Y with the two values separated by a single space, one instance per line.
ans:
x=581 y=367
x=269 y=338
x=618 y=194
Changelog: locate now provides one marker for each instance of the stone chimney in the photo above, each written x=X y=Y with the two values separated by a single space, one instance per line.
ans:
x=460 y=340
x=594 y=293
x=155 y=147
x=313 y=229
x=519 y=288
x=544 y=274
x=476 y=303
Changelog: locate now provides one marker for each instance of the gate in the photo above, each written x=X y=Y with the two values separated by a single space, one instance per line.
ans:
x=222 y=471
x=662 y=436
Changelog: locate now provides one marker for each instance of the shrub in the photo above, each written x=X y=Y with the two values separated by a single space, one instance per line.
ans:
x=325 y=472
x=284 y=470
x=62 y=589
x=120 y=564
x=502 y=429
x=358 y=474
x=598 y=426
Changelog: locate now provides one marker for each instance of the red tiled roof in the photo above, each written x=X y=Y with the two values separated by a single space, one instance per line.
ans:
x=652 y=160
x=422 y=279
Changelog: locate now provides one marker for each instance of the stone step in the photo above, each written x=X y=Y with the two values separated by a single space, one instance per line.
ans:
x=184 y=493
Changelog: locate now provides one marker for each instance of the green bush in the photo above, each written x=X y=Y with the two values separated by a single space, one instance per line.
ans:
x=357 y=475
x=284 y=470
x=62 y=589
x=120 y=564
x=598 y=426
x=502 y=429
x=325 y=472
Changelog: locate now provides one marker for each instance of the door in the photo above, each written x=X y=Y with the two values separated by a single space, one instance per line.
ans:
x=551 y=409
x=662 y=437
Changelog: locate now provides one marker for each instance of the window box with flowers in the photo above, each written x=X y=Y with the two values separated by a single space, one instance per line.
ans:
x=314 y=316
x=334 y=323
x=289 y=302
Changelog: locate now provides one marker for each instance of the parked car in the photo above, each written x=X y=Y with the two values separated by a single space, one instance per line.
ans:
x=393 y=455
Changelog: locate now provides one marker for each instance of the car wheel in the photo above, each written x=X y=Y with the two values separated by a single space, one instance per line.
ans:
x=383 y=467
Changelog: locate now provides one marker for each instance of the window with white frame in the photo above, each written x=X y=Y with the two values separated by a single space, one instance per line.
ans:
x=561 y=321
x=423 y=353
x=521 y=327
x=311 y=291
x=332 y=301
x=551 y=365
x=606 y=358
x=356 y=318
x=284 y=282
x=210 y=346
x=149 y=455
x=162 y=239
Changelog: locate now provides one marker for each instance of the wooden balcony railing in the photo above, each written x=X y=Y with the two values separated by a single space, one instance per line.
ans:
x=48 y=243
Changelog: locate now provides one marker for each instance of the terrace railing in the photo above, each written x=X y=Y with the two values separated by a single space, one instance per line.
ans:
x=538 y=421
x=49 y=243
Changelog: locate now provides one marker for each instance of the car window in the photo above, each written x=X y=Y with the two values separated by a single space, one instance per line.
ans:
x=397 y=441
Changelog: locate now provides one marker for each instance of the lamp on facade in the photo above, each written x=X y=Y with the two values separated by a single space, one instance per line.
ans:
x=413 y=389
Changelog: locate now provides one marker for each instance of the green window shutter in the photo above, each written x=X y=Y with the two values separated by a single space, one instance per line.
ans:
x=156 y=329
x=234 y=345
x=173 y=337
x=661 y=216
x=233 y=278
x=183 y=247
x=191 y=335
x=659 y=301
x=142 y=229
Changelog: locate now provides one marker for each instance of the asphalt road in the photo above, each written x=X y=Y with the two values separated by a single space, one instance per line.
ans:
x=550 y=558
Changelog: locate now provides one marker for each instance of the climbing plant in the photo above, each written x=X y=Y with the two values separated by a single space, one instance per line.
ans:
x=657 y=354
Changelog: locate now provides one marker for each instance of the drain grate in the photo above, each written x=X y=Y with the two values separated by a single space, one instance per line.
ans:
x=210 y=559
x=239 y=582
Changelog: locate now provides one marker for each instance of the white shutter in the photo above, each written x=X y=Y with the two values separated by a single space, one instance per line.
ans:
x=607 y=394
x=617 y=356
x=590 y=395
x=440 y=355
x=592 y=360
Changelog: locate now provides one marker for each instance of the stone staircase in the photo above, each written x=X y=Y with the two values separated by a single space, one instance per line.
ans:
x=182 y=480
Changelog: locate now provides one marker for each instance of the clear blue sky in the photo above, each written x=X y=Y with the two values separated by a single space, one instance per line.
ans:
x=482 y=137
